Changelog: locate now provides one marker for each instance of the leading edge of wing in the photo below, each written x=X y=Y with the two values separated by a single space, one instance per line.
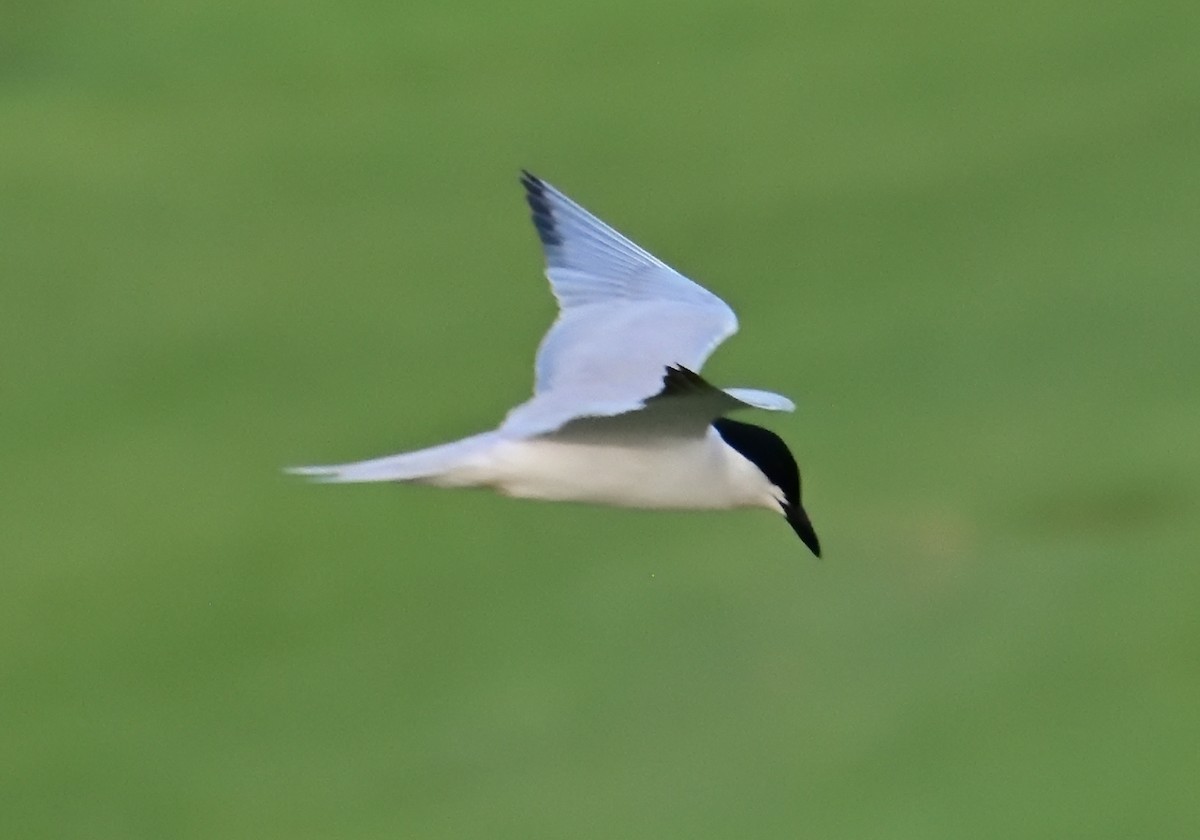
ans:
x=679 y=382
x=686 y=403
x=587 y=261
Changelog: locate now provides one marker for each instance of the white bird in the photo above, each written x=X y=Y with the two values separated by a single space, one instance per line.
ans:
x=619 y=414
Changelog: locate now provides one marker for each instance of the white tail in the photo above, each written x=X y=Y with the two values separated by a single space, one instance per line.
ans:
x=430 y=465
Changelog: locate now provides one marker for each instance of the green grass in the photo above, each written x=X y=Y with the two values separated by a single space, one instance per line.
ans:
x=236 y=237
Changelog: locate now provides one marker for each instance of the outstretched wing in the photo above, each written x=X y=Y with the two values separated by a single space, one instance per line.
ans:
x=624 y=315
x=685 y=404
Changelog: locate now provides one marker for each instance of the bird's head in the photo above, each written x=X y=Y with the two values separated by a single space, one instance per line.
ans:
x=767 y=451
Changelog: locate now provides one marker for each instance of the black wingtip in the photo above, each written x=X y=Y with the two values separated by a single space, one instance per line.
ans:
x=539 y=205
x=678 y=380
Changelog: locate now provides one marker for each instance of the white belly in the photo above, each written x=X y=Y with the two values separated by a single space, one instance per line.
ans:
x=671 y=473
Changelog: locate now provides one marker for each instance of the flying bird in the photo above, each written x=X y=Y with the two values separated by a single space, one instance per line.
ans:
x=620 y=414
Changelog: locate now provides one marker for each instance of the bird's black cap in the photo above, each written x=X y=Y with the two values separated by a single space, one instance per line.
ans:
x=767 y=451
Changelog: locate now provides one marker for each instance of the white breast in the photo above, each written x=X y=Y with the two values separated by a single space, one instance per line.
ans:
x=661 y=473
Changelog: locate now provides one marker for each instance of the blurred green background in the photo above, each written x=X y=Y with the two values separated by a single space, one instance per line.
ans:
x=240 y=236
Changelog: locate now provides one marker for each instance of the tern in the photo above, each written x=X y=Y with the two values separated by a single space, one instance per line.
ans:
x=620 y=414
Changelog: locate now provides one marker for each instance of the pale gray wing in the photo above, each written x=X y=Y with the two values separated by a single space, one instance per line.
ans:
x=685 y=405
x=624 y=315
